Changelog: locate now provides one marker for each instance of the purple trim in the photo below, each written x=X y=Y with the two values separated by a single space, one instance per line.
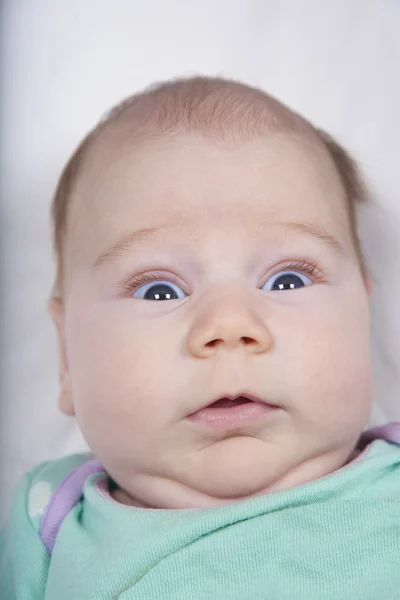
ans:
x=389 y=432
x=63 y=499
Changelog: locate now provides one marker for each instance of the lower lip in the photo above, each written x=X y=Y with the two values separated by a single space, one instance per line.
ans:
x=221 y=418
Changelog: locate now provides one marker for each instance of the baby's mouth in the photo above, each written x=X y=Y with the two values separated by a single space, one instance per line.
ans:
x=231 y=411
x=228 y=402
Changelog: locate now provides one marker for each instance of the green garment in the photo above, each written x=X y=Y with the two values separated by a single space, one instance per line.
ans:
x=331 y=539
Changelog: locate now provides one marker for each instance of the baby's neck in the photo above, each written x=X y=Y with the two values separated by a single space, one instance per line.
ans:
x=122 y=498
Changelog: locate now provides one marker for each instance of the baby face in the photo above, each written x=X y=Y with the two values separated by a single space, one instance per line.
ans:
x=194 y=272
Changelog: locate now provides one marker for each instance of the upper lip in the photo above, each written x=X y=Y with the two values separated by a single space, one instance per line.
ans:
x=241 y=394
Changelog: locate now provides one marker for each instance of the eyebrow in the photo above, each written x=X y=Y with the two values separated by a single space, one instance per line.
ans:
x=318 y=233
x=126 y=243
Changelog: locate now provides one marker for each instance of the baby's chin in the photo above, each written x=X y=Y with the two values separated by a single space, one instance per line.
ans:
x=238 y=468
x=232 y=470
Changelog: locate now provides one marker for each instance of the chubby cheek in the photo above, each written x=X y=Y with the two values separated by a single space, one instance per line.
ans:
x=329 y=366
x=119 y=371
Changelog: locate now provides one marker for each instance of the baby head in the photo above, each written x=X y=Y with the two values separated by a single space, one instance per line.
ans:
x=207 y=248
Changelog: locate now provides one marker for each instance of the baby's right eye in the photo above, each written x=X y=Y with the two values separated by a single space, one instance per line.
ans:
x=287 y=280
x=159 y=290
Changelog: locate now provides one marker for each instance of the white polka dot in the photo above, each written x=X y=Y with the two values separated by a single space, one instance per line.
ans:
x=39 y=497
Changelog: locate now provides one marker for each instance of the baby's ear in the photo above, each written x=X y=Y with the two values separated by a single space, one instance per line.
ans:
x=56 y=312
x=369 y=286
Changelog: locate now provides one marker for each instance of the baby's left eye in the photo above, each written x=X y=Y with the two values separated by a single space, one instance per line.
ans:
x=286 y=280
x=159 y=290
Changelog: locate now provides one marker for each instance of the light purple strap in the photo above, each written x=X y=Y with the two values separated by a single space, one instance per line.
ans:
x=68 y=493
x=389 y=432
x=63 y=499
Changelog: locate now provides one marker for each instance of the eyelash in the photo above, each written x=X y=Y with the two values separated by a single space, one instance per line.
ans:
x=308 y=268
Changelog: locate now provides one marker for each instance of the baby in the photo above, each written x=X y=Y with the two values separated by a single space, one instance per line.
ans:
x=212 y=311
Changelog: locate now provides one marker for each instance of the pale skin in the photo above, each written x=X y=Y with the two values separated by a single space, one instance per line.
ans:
x=132 y=370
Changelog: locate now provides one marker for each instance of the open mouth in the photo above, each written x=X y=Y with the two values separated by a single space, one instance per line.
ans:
x=228 y=412
x=228 y=403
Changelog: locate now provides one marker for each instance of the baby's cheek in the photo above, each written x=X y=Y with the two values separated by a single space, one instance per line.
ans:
x=331 y=375
x=114 y=363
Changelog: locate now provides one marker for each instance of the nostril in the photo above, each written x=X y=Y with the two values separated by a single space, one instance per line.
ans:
x=245 y=339
x=212 y=343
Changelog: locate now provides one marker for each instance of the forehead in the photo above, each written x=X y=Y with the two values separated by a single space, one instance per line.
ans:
x=185 y=181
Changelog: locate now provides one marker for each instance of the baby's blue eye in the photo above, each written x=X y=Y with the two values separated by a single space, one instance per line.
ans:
x=286 y=280
x=159 y=290
x=165 y=290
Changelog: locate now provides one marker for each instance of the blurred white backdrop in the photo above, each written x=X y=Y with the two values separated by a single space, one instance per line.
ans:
x=65 y=63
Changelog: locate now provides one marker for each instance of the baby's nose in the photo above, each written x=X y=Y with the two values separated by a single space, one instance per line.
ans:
x=227 y=328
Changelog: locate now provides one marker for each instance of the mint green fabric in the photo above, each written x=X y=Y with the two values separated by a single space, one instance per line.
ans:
x=334 y=538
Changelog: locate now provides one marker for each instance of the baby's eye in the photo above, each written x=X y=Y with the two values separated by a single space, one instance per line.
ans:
x=159 y=290
x=286 y=280
x=154 y=287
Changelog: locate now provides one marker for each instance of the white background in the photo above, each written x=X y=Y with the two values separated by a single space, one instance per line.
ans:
x=65 y=62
